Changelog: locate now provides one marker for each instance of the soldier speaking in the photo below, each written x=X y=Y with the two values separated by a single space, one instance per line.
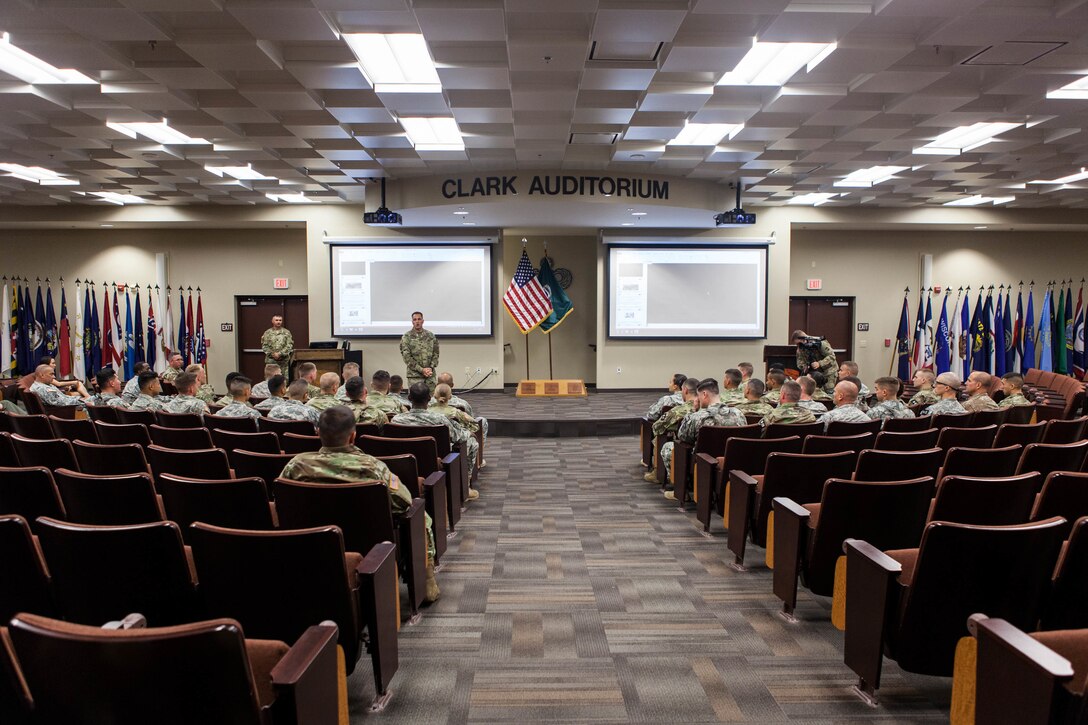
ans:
x=419 y=348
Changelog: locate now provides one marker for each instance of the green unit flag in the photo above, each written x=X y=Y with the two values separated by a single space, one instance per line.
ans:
x=561 y=304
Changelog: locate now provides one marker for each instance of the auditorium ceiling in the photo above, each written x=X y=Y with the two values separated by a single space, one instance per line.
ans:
x=888 y=103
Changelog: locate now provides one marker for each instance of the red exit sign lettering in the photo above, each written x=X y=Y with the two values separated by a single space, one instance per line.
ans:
x=815 y=284
x=279 y=283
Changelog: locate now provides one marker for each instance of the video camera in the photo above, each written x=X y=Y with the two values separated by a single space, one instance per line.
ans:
x=810 y=342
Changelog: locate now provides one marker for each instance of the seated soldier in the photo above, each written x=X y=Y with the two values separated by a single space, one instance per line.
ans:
x=862 y=405
x=175 y=367
x=775 y=378
x=846 y=408
x=339 y=461
x=48 y=393
x=204 y=391
x=890 y=406
x=820 y=394
x=732 y=386
x=150 y=388
x=753 y=403
x=356 y=400
x=109 y=389
x=788 y=410
x=132 y=386
x=71 y=387
x=295 y=408
x=461 y=404
x=396 y=388
x=709 y=410
x=379 y=395
x=260 y=390
x=228 y=398
x=185 y=401
x=420 y=396
x=672 y=398
x=308 y=371
x=925 y=395
x=808 y=401
x=746 y=371
x=849 y=368
x=277 y=389
x=327 y=397
x=1012 y=385
x=349 y=371
x=670 y=421
x=440 y=403
x=978 y=387
x=947 y=386
x=239 y=406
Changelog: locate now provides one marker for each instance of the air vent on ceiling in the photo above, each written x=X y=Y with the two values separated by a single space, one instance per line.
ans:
x=624 y=51
x=596 y=139
x=795 y=169
x=1013 y=52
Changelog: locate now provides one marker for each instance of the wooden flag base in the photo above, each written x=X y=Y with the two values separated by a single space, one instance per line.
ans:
x=551 y=389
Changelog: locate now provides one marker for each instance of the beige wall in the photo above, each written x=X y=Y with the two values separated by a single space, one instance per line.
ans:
x=875 y=267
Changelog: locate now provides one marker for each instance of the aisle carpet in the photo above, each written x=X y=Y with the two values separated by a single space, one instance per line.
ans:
x=575 y=592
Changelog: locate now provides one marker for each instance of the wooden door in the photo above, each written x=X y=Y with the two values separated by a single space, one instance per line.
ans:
x=830 y=317
x=254 y=315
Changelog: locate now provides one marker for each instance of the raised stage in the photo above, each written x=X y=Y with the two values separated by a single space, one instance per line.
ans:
x=600 y=413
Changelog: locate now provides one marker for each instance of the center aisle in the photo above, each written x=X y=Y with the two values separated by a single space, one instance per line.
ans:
x=574 y=592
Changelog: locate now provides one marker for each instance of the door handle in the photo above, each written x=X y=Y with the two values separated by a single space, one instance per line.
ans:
x=253 y=350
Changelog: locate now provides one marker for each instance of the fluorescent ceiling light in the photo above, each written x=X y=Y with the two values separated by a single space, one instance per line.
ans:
x=395 y=60
x=433 y=134
x=31 y=69
x=814 y=199
x=299 y=198
x=242 y=173
x=963 y=139
x=705 y=134
x=1065 y=179
x=1078 y=89
x=120 y=199
x=870 y=177
x=978 y=200
x=39 y=175
x=157 y=132
x=772 y=64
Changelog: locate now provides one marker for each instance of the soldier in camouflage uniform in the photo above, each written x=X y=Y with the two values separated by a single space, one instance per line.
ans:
x=850 y=368
x=775 y=378
x=277 y=386
x=1012 y=384
x=228 y=398
x=379 y=396
x=295 y=408
x=947 y=386
x=709 y=410
x=788 y=410
x=846 y=408
x=308 y=371
x=340 y=461
x=861 y=403
x=185 y=401
x=419 y=348
x=978 y=383
x=752 y=403
x=733 y=387
x=671 y=420
x=672 y=399
x=925 y=395
x=327 y=397
x=356 y=401
x=204 y=391
x=815 y=354
x=109 y=385
x=462 y=405
x=890 y=406
x=440 y=404
x=808 y=400
x=278 y=345
x=420 y=395
x=149 y=391
x=260 y=390
x=239 y=407
x=174 y=369
x=50 y=394
x=349 y=371
x=132 y=386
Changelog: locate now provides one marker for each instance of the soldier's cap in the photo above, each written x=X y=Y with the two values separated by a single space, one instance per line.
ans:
x=950 y=379
x=797 y=336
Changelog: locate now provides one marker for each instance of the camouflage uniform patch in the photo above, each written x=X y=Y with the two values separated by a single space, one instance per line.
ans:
x=239 y=410
x=790 y=413
x=294 y=410
x=890 y=409
x=185 y=404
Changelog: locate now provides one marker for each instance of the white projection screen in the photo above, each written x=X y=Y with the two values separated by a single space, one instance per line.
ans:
x=681 y=292
x=375 y=288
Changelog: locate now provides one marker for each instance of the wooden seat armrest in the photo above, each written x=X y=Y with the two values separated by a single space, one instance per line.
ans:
x=740 y=478
x=412 y=539
x=788 y=507
x=379 y=591
x=451 y=458
x=874 y=556
x=1022 y=645
x=790 y=547
x=305 y=679
x=872 y=596
x=435 y=493
x=704 y=458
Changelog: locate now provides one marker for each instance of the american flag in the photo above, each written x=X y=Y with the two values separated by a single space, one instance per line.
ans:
x=526 y=299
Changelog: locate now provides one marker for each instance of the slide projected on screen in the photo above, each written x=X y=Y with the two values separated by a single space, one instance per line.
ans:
x=678 y=292
x=376 y=288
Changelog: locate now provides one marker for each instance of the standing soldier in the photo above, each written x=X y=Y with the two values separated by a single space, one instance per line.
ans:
x=815 y=353
x=278 y=345
x=419 y=348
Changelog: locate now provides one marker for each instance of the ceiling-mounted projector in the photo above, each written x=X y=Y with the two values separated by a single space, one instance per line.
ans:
x=738 y=215
x=383 y=216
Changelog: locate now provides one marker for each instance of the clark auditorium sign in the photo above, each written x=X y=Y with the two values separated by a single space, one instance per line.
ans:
x=556 y=185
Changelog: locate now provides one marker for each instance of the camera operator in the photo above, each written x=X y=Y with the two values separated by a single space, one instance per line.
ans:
x=814 y=353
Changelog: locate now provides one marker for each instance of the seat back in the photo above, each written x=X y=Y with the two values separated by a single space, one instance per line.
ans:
x=117 y=433
x=962 y=569
x=29 y=492
x=298 y=427
x=907 y=425
x=189 y=673
x=837 y=444
x=1058 y=431
x=277 y=583
x=887 y=514
x=361 y=510
x=73 y=430
x=107 y=500
x=1020 y=414
x=1068 y=605
x=1064 y=494
x=1048 y=457
x=440 y=433
x=846 y=428
x=405 y=468
x=232 y=441
x=423 y=449
x=108 y=460
x=907 y=440
x=967 y=437
x=983 y=418
x=102 y=573
x=206 y=463
x=32 y=426
x=32 y=402
x=265 y=466
x=785 y=430
x=143 y=417
x=1011 y=433
x=876 y=465
x=799 y=477
x=7 y=450
x=24 y=583
x=103 y=414
x=985 y=501
x=239 y=503
x=52 y=453
x=367 y=429
x=982 y=462
x=181 y=438
x=951 y=420
x=712 y=439
x=750 y=454
x=238 y=425
x=295 y=443
x=179 y=420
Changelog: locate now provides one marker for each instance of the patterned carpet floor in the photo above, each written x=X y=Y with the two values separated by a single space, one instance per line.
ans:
x=574 y=592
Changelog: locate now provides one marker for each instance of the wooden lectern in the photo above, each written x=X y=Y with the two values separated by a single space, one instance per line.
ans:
x=327 y=361
x=785 y=355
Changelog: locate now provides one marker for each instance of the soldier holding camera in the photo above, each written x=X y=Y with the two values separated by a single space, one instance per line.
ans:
x=815 y=353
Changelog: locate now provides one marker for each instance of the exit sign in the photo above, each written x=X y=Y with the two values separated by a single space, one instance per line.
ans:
x=815 y=284
x=279 y=283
